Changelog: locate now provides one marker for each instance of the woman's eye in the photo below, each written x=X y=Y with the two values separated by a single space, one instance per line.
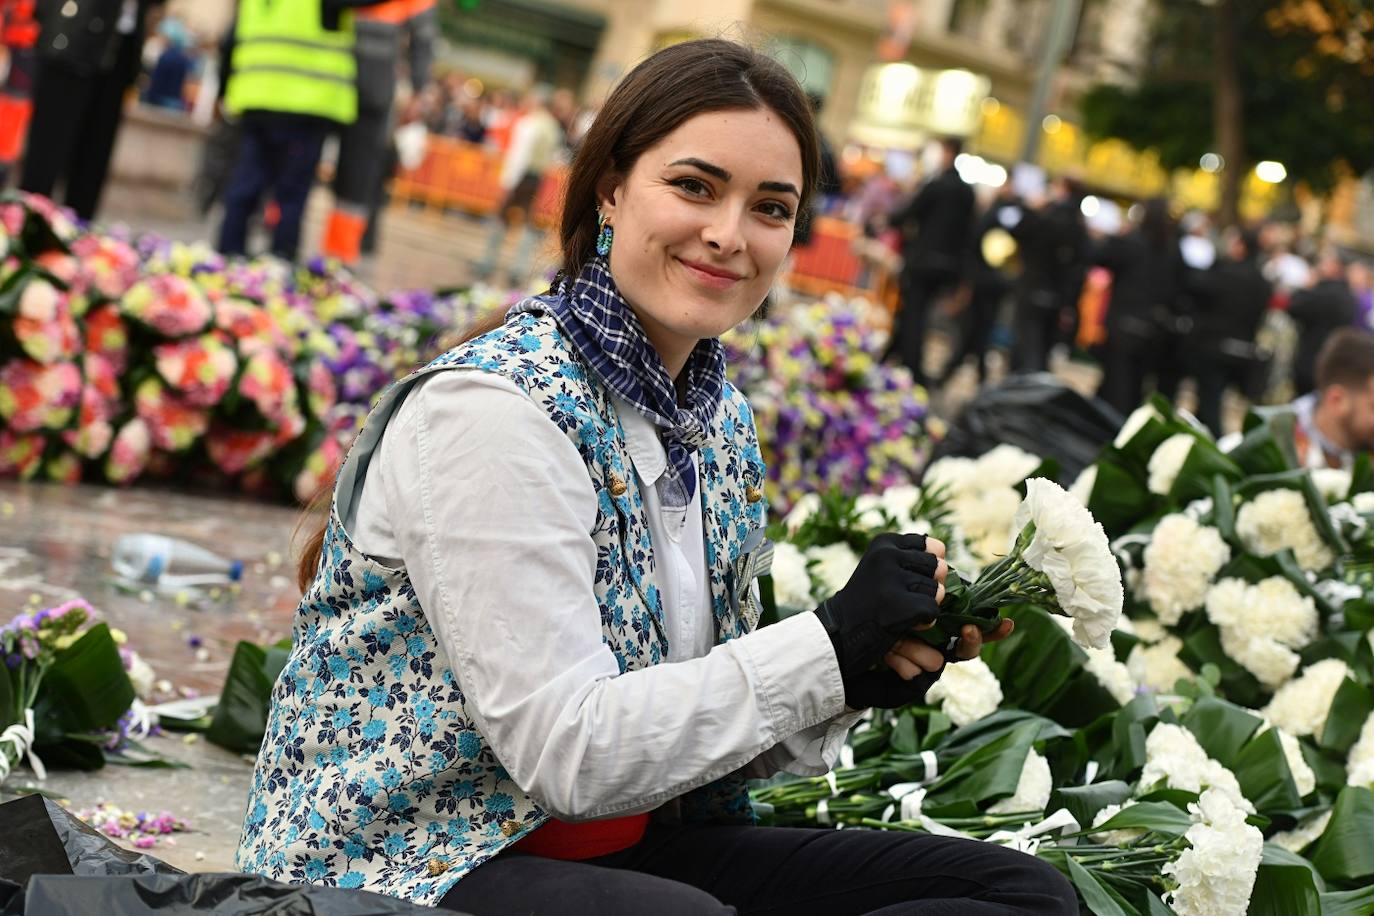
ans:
x=693 y=186
x=776 y=210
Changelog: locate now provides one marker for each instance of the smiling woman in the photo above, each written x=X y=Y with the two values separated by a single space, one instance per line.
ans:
x=526 y=675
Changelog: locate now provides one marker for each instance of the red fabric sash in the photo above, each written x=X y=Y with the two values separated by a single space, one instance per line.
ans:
x=574 y=842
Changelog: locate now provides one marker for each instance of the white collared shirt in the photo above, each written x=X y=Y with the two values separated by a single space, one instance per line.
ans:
x=488 y=505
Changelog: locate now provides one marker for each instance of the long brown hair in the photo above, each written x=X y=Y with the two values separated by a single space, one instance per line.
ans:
x=654 y=99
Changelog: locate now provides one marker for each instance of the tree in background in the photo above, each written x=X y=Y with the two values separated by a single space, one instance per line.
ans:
x=1289 y=80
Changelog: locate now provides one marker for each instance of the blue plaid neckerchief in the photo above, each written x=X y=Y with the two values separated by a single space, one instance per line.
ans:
x=606 y=333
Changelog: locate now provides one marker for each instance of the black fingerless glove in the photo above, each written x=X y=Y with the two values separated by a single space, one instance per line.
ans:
x=891 y=591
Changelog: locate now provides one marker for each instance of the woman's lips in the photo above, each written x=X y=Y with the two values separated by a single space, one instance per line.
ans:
x=708 y=276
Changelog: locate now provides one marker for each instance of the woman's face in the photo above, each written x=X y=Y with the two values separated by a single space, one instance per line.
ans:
x=702 y=223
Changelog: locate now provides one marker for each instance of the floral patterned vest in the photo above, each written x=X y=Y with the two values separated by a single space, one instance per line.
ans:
x=372 y=772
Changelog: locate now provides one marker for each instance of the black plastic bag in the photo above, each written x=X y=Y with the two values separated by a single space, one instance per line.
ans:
x=1036 y=412
x=52 y=864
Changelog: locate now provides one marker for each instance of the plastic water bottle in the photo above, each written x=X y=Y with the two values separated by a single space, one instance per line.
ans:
x=165 y=562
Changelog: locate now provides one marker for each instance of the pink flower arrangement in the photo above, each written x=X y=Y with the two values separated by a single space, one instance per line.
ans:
x=20 y=454
x=37 y=396
x=169 y=304
x=173 y=424
x=129 y=454
x=200 y=369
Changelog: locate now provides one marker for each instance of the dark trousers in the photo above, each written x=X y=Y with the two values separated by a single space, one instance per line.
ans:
x=1127 y=360
x=919 y=290
x=975 y=328
x=277 y=155
x=72 y=132
x=772 y=871
x=1035 y=330
x=1215 y=372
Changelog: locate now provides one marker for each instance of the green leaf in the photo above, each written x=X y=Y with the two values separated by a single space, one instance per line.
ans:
x=85 y=689
x=1221 y=728
x=1350 y=708
x=1035 y=663
x=1224 y=508
x=1344 y=852
x=1083 y=802
x=1262 y=771
x=987 y=774
x=1362 y=474
x=1162 y=817
x=1284 y=886
x=1100 y=900
x=1120 y=497
x=1202 y=647
x=1204 y=463
x=241 y=718
x=1348 y=903
x=1259 y=452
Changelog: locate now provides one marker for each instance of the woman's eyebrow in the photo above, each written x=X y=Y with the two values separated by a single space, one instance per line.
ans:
x=782 y=187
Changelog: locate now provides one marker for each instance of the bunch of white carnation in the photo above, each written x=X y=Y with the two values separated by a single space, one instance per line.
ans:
x=1167 y=461
x=832 y=565
x=1217 y=873
x=1174 y=757
x=966 y=691
x=1181 y=561
x=1300 y=707
x=1156 y=666
x=1278 y=519
x=792 y=586
x=1262 y=624
x=1360 y=765
x=1032 y=788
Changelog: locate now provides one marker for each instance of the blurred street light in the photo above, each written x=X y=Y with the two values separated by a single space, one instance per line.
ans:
x=1270 y=172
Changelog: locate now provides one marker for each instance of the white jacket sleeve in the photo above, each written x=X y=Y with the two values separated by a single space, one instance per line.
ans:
x=491 y=510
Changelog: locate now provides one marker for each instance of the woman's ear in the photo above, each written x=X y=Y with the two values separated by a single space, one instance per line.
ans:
x=607 y=192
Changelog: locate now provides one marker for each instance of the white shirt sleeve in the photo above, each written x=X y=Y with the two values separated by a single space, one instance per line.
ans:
x=491 y=510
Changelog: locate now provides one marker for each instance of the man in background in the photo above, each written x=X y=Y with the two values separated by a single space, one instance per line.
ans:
x=935 y=228
x=1336 y=422
x=1318 y=311
x=382 y=32
x=535 y=141
x=89 y=53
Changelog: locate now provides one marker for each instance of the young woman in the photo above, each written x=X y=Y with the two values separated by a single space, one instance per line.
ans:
x=525 y=676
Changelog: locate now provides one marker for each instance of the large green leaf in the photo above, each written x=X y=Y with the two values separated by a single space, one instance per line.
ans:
x=1262 y=771
x=85 y=689
x=1345 y=851
x=1284 y=886
x=1099 y=899
x=1348 y=903
x=987 y=774
x=1259 y=452
x=1204 y=463
x=1350 y=708
x=1163 y=817
x=1083 y=802
x=1119 y=496
x=1221 y=728
x=241 y=717
x=1036 y=662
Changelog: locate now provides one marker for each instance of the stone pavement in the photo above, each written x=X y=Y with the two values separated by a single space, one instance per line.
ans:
x=55 y=544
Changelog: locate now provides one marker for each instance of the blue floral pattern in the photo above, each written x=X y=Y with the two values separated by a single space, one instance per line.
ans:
x=372 y=772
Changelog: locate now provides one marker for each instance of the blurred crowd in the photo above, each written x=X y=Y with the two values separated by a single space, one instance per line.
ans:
x=1157 y=297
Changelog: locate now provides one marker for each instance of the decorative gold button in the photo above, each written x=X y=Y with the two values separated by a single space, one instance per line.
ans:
x=437 y=867
x=753 y=494
x=618 y=487
x=510 y=828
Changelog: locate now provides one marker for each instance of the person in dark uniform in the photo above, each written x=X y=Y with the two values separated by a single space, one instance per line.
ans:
x=989 y=283
x=1229 y=301
x=935 y=227
x=1318 y=310
x=88 y=56
x=1053 y=243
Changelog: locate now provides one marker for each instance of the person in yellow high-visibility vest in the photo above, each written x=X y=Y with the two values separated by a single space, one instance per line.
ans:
x=292 y=79
x=363 y=145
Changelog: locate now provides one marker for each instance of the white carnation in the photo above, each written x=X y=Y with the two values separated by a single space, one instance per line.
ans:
x=1167 y=461
x=802 y=510
x=1303 y=835
x=1360 y=766
x=1156 y=666
x=1032 y=788
x=1217 y=873
x=1181 y=561
x=1332 y=483
x=1363 y=502
x=1269 y=661
x=1303 y=778
x=1070 y=547
x=1115 y=837
x=984 y=519
x=900 y=502
x=1149 y=630
x=1278 y=519
x=832 y=564
x=1135 y=423
x=955 y=476
x=1300 y=706
x=870 y=511
x=1199 y=509
x=1082 y=488
x=1005 y=466
x=966 y=691
x=791 y=581
x=1174 y=757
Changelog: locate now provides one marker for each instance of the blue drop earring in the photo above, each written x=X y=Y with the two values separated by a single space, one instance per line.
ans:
x=604 y=237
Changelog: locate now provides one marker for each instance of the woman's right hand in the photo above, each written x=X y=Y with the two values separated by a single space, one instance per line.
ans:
x=896 y=588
